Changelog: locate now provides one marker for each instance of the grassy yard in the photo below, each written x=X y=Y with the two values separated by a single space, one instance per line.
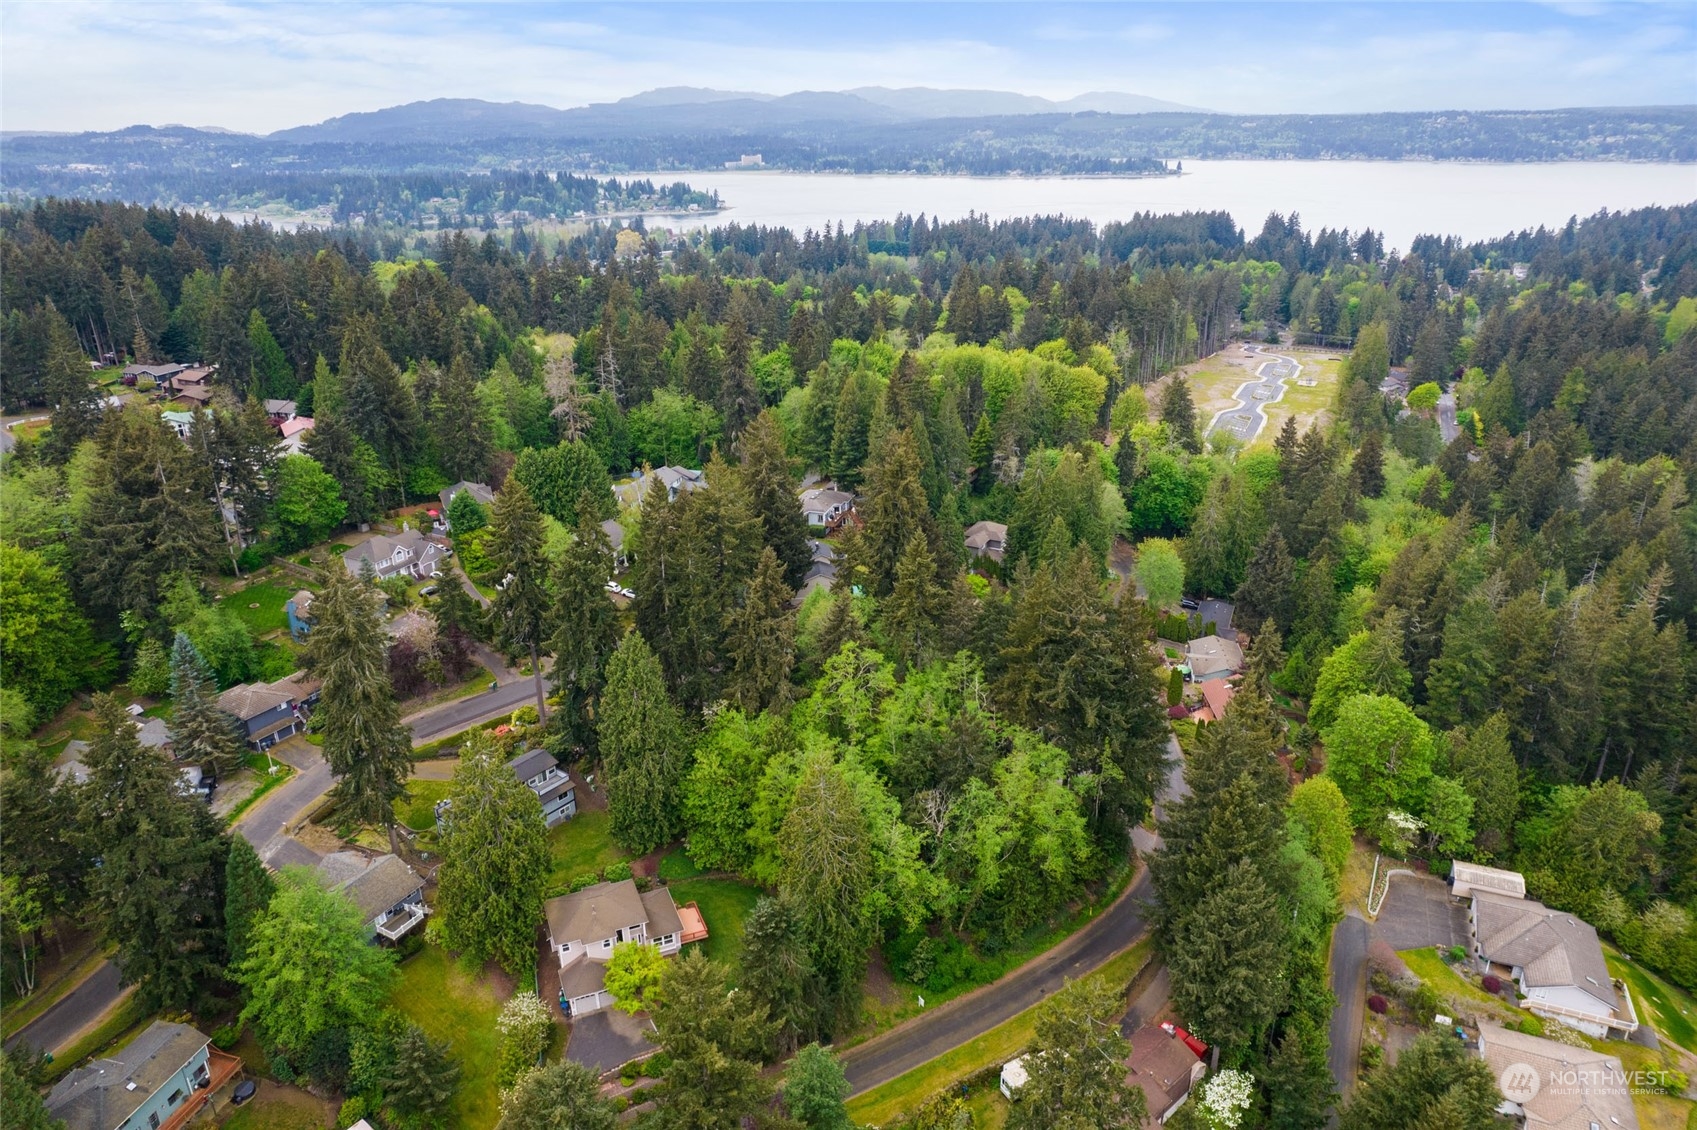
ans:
x=724 y=903
x=269 y=616
x=276 y=1114
x=418 y=811
x=1666 y=1008
x=989 y=1109
x=1655 y=1112
x=906 y=1093
x=452 y=1005
x=579 y=846
x=1425 y=964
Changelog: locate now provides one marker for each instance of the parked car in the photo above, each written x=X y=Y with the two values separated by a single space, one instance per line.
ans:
x=427 y=590
x=1189 y=604
x=617 y=590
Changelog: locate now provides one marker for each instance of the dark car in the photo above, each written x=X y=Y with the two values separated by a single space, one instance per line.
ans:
x=1189 y=604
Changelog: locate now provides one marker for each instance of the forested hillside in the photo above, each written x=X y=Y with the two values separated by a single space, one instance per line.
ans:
x=1482 y=649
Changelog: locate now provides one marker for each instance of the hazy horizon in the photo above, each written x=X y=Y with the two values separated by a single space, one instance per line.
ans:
x=257 y=68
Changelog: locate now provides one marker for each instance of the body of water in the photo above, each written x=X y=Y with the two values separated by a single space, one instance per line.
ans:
x=1400 y=199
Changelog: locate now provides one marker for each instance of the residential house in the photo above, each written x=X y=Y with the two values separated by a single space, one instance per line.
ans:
x=1467 y=878
x=298 y=608
x=388 y=892
x=71 y=768
x=1212 y=657
x=616 y=538
x=280 y=411
x=478 y=491
x=1166 y=1062
x=826 y=507
x=987 y=539
x=409 y=553
x=584 y=927
x=1552 y=1086
x=821 y=570
x=1216 y=696
x=158 y=1082
x=270 y=712
x=1554 y=958
x=293 y=431
x=180 y=422
x=676 y=480
x=159 y=373
x=552 y=785
x=192 y=396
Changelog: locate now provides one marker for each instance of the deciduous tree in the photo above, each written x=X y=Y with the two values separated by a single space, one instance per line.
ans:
x=814 y=1090
x=633 y=976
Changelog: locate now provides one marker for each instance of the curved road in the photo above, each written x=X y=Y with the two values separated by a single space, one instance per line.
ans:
x=1349 y=986
x=1244 y=420
x=71 y=1013
x=932 y=1033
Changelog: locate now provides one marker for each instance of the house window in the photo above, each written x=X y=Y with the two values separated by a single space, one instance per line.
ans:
x=606 y=943
x=153 y=1120
x=176 y=1097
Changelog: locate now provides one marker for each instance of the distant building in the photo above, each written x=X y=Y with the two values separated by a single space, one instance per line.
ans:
x=746 y=161
x=1213 y=657
x=552 y=785
x=478 y=491
x=280 y=411
x=408 y=553
x=180 y=422
x=675 y=480
x=826 y=507
x=616 y=538
x=987 y=539
x=270 y=712
x=293 y=431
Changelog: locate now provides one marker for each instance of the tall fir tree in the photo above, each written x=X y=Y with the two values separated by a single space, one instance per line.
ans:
x=896 y=508
x=713 y=1039
x=520 y=611
x=1178 y=412
x=460 y=423
x=418 y=1088
x=643 y=747
x=1077 y=1079
x=778 y=974
x=760 y=639
x=586 y=630
x=368 y=749
x=248 y=888
x=771 y=492
x=494 y=862
x=201 y=734
x=158 y=893
x=912 y=610
x=75 y=403
x=1266 y=593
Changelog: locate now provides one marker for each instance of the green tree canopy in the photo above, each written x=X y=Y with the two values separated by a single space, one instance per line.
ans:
x=1076 y=1076
x=46 y=644
x=643 y=747
x=1380 y=755
x=634 y=974
x=1160 y=572
x=308 y=504
x=557 y=1096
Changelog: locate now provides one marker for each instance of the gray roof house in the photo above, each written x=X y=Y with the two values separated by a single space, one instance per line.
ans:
x=676 y=480
x=584 y=927
x=1556 y=960
x=478 y=491
x=825 y=506
x=159 y=1080
x=1213 y=657
x=409 y=553
x=388 y=892
x=987 y=539
x=270 y=712
x=1579 y=1089
x=616 y=538
x=552 y=785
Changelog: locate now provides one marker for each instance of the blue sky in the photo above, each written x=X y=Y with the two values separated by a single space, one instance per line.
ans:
x=259 y=67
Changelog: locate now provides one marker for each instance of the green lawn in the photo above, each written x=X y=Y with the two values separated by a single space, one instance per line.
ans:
x=1425 y=964
x=452 y=1005
x=579 y=846
x=724 y=903
x=269 y=616
x=906 y=1093
x=1666 y=1008
x=272 y=1114
x=418 y=811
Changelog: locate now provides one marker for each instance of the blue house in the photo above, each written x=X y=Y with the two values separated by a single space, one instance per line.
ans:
x=157 y=1081
x=270 y=712
x=299 y=610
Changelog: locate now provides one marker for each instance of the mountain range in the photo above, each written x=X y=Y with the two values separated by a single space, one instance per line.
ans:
x=689 y=108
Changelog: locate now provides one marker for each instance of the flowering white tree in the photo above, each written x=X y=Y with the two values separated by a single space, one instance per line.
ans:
x=1225 y=1097
x=523 y=1027
x=1399 y=831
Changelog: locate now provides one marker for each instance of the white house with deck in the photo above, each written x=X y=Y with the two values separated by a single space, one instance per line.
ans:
x=583 y=928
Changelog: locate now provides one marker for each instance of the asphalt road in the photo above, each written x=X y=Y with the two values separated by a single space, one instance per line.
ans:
x=930 y=1034
x=1245 y=419
x=1447 y=426
x=266 y=824
x=452 y=717
x=1349 y=986
x=71 y=1013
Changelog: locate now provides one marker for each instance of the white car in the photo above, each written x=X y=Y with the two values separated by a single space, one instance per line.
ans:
x=615 y=588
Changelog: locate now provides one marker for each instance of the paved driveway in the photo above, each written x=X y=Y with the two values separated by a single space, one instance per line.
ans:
x=1220 y=612
x=607 y=1039
x=1418 y=912
x=1349 y=986
x=1245 y=419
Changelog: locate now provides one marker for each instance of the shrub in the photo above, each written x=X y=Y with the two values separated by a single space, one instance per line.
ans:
x=1378 y=1005
x=1491 y=983
x=1175 y=687
x=1371 y=1057
x=1425 y=1002
x=616 y=872
x=1457 y=953
x=523 y=1027
x=583 y=881
x=226 y=1037
x=353 y=1110
x=1531 y=1026
x=525 y=716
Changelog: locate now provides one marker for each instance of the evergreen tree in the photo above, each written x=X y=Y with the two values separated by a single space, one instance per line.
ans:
x=368 y=749
x=273 y=377
x=248 y=888
x=460 y=424
x=1369 y=466
x=1178 y=412
x=981 y=454
x=814 y=1090
x=494 y=862
x=1299 y=1086
x=158 y=893
x=201 y=734
x=714 y=1080
x=766 y=471
x=895 y=510
x=21 y=1101
x=586 y=630
x=419 y=1087
x=1076 y=1075
x=376 y=404
x=852 y=430
x=1267 y=582
x=309 y=927
x=557 y=1096
x=1221 y=953
x=520 y=612
x=643 y=748
x=1483 y=761
x=738 y=396
x=75 y=402
x=1125 y=462
x=826 y=875
x=761 y=639
x=777 y=973
x=1436 y=1082
x=842 y=625
x=912 y=609
x=350 y=462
